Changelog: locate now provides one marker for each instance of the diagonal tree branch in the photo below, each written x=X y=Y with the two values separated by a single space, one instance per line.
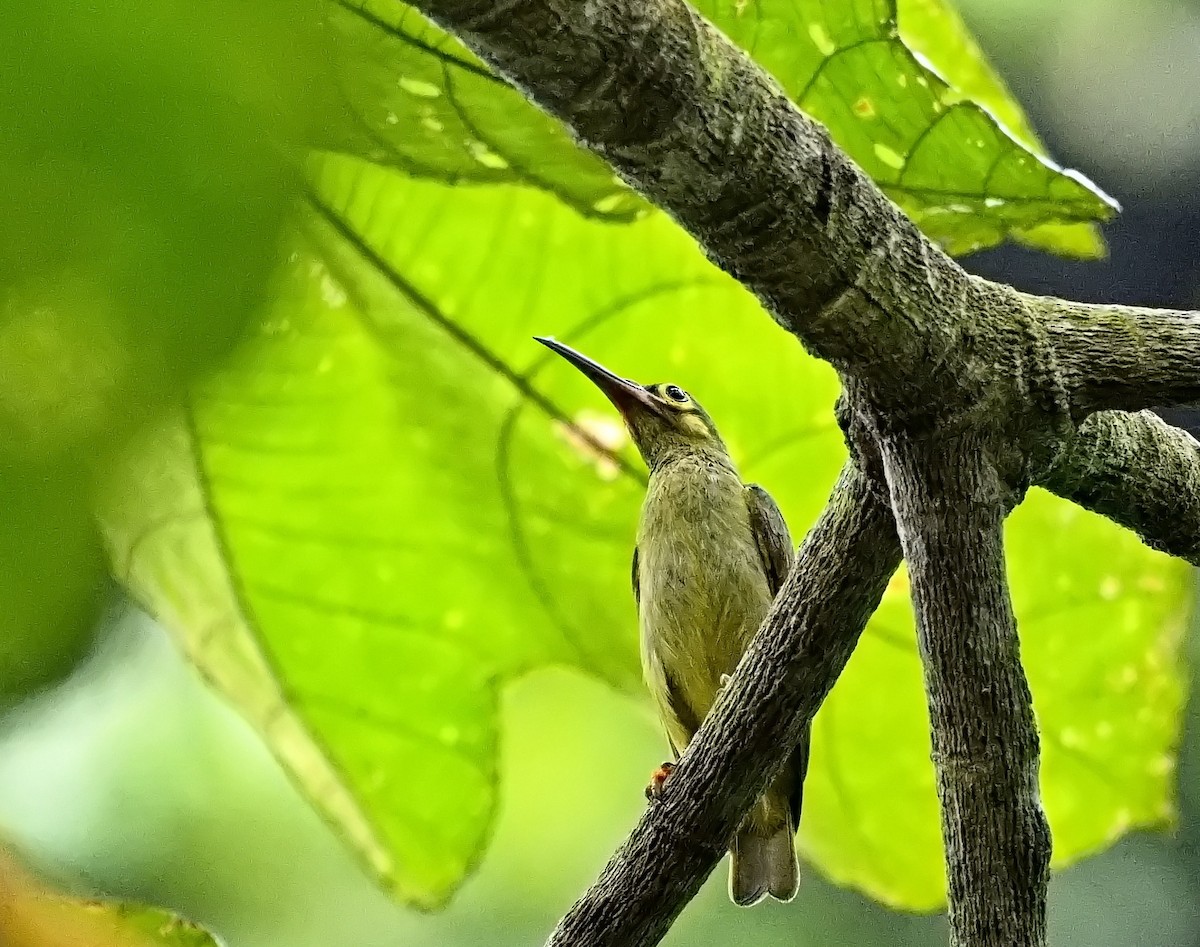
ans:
x=950 y=506
x=841 y=570
x=1138 y=471
x=696 y=126
x=702 y=131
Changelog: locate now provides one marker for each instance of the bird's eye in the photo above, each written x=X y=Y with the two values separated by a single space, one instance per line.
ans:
x=675 y=393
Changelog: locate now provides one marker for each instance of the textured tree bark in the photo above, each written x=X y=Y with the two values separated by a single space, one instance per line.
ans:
x=950 y=506
x=842 y=568
x=692 y=123
x=1138 y=471
x=698 y=128
x=1123 y=357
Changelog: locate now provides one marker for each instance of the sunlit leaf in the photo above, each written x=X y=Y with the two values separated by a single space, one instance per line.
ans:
x=395 y=502
x=909 y=95
x=913 y=101
x=420 y=101
x=934 y=31
x=388 y=507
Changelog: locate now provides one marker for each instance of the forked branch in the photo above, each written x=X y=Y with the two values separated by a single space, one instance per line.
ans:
x=841 y=570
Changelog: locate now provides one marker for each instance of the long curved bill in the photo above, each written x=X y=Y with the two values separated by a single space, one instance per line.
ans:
x=626 y=395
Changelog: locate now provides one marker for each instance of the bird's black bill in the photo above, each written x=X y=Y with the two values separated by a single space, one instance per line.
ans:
x=625 y=394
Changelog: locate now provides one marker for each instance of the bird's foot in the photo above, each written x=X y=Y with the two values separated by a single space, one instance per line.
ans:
x=725 y=679
x=657 y=779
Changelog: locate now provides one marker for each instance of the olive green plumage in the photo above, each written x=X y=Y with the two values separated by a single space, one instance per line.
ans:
x=711 y=554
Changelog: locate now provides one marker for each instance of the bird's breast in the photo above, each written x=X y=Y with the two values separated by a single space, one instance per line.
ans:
x=702 y=585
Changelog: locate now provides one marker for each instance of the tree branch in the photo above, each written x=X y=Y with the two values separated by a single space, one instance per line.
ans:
x=950 y=506
x=1123 y=357
x=697 y=127
x=1138 y=471
x=1003 y=377
x=839 y=576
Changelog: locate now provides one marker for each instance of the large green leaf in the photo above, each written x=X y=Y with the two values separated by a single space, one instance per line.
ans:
x=396 y=502
x=907 y=92
x=910 y=96
x=420 y=101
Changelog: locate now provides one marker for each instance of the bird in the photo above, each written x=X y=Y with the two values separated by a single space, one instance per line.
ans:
x=710 y=556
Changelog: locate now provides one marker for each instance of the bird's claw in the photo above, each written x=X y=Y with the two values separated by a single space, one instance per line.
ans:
x=725 y=679
x=657 y=779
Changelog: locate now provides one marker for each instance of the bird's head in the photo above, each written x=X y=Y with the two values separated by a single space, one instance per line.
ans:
x=663 y=419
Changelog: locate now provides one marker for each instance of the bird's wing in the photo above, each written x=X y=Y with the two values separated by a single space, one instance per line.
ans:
x=775 y=548
x=637 y=587
x=678 y=719
x=798 y=765
x=771 y=535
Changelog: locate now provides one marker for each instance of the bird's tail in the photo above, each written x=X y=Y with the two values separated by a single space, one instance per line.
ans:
x=761 y=865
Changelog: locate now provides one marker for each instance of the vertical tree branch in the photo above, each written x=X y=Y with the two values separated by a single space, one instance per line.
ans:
x=842 y=568
x=950 y=506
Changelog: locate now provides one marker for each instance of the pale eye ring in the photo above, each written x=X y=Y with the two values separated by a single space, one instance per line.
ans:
x=675 y=393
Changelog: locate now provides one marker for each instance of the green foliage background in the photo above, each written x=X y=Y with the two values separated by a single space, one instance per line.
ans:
x=390 y=428
x=375 y=526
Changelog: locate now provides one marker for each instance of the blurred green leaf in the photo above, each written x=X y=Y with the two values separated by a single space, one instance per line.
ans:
x=149 y=156
x=52 y=580
x=390 y=506
x=419 y=100
x=33 y=915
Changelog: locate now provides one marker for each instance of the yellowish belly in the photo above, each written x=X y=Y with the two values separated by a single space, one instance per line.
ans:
x=703 y=591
